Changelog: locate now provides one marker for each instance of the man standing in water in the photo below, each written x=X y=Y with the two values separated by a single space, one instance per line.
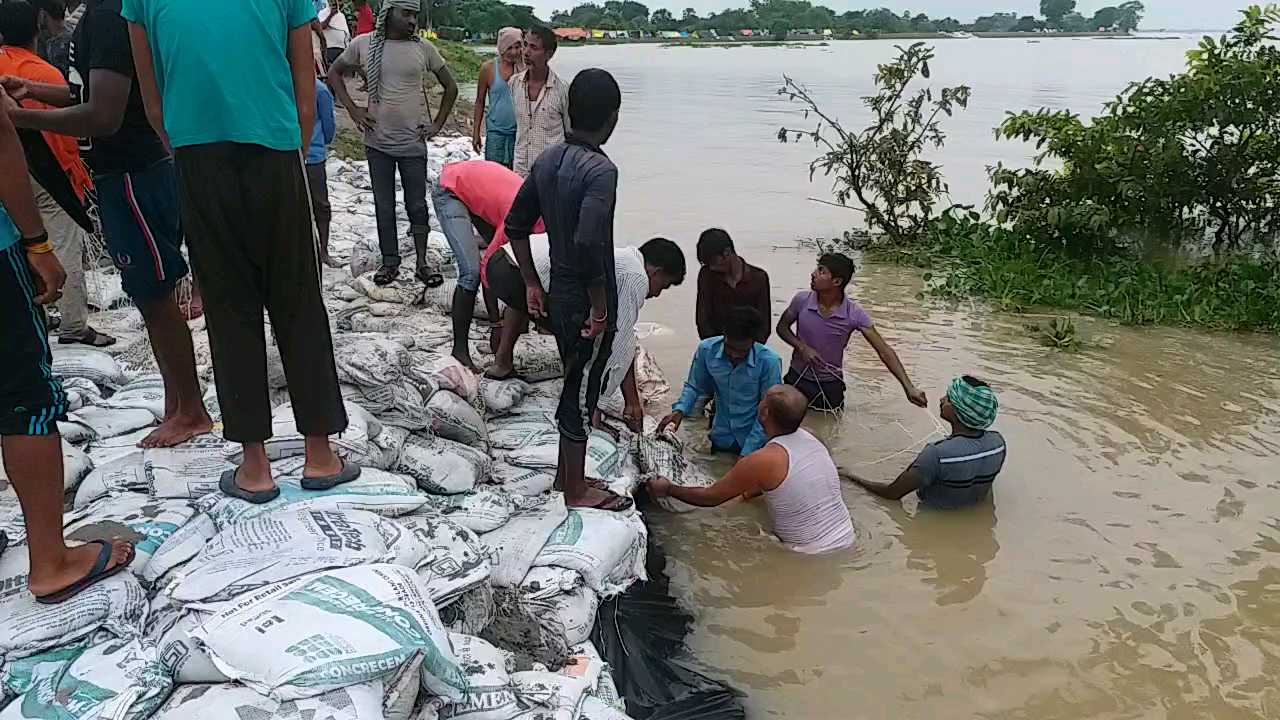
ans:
x=727 y=281
x=397 y=63
x=31 y=398
x=494 y=87
x=247 y=213
x=824 y=318
x=794 y=472
x=573 y=188
x=541 y=103
x=960 y=470
x=137 y=198
x=737 y=371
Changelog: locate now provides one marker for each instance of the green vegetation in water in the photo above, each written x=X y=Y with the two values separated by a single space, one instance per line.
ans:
x=1164 y=209
x=1060 y=333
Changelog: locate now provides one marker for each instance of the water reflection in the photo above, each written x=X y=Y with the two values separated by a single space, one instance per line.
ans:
x=950 y=550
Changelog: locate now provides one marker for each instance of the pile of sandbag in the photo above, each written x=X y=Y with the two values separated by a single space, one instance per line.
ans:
x=448 y=581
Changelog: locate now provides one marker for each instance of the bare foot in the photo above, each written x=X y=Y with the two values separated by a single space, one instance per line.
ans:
x=499 y=371
x=465 y=360
x=177 y=429
x=79 y=561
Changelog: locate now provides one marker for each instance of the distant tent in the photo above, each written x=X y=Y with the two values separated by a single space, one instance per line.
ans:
x=826 y=32
x=572 y=34
x=669 y=35
x=597 y=34
x=746 y=33
x=684 y=34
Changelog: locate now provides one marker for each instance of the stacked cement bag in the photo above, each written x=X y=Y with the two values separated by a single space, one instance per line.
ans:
x=449 y=580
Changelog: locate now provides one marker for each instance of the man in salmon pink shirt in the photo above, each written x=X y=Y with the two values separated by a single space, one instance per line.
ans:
x=473 y=197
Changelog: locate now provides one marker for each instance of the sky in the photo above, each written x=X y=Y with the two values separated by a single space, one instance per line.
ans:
x=1171 y=14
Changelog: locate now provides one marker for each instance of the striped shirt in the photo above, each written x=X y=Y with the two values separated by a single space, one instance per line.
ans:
x=540 y=123
x=959 y=470
x=633 y=290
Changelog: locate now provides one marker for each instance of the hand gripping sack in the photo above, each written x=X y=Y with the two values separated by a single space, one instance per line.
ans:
x=308 y=636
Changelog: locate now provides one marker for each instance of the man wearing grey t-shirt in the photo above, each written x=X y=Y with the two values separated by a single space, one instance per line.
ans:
x=959 y=470
x=398 y=65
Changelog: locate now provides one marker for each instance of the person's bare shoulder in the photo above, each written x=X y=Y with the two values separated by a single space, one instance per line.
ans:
x=768 y=466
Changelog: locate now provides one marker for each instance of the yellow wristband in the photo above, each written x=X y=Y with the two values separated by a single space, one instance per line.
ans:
x=40 y=248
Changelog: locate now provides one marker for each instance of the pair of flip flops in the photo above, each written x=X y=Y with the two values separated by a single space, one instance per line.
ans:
x=89 y=337
x=227 y=484
x=387 y=275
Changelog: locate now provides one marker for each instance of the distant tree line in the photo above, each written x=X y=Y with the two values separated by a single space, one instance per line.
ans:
x=786 y=15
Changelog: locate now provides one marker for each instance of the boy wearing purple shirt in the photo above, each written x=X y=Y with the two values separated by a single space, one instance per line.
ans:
x=824 y=319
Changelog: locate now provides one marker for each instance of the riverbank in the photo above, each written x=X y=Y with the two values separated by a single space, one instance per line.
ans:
x=765 y=40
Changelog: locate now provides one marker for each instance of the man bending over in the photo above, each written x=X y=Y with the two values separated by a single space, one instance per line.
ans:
x=794 y=472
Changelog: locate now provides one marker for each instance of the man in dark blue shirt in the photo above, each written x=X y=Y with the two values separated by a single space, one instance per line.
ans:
x=573 y=187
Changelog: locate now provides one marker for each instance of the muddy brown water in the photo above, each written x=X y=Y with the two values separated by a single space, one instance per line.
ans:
x=1128 y=565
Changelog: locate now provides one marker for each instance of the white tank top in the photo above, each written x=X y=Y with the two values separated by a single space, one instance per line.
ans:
x=809 y=514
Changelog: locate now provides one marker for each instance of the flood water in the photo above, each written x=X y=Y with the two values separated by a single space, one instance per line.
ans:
x=1129 y=563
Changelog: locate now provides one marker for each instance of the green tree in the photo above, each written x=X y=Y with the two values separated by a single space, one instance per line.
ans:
x=1130 y=16
x=1106 y=18
x=1027 y=23
x=1055 y=11
x=882 y=167
x=663 y=20
x=999 y=22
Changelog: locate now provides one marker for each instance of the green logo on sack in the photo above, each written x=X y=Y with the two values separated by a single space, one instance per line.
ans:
x=342 y=598
x=569 y=532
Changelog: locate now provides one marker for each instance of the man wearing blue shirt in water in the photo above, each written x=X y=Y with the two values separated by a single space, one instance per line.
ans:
x=738 y=371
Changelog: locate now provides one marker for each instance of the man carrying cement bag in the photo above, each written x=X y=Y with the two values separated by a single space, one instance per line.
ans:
x=31 y=398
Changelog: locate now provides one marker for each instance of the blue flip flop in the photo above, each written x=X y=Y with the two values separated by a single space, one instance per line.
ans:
x=97 y=574
x=227 y=484
x=349 y=472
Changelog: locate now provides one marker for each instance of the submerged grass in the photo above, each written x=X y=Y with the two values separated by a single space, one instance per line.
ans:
x=972 y=258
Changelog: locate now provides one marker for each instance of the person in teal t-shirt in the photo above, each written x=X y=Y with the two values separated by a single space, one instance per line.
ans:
x=237 y=119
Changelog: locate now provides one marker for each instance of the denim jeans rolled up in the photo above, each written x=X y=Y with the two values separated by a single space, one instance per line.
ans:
x=413 y=178
x=458 y=228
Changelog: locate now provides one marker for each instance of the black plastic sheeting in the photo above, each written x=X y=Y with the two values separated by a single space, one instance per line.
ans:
x=641 y=634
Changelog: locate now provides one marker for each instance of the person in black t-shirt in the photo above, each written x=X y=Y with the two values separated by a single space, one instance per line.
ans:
x=137 y=197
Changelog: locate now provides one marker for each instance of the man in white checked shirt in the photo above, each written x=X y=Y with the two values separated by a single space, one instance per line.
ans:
x=642 y=273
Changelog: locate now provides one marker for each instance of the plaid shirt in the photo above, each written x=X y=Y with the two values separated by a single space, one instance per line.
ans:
x=540 y=123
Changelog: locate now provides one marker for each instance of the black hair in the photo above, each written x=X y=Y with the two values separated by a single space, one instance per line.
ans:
x=56 y=9
x=548 y=37
x=666 y=256
x=18 y=23
x=713 y=243
x=594 y=96
x=839 y=265
x=741 y=322
x=972 y=381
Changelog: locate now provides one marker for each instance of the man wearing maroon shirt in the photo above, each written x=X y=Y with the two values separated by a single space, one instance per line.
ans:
x=726 y=281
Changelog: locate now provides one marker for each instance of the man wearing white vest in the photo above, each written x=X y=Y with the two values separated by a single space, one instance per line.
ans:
x=793 y=471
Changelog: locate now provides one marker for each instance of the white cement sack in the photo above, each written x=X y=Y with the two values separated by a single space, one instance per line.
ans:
x=145 y=521
x=115 y=680
x=378 y=700
x=102 y=450
x=593 y=708
x=190 y=470
x=407 y=290
x=90 y=364
x=11 y=520
x=454 y=560
x=606 y=548
x=527 y=482
x=390 y=442
x=549 y=696
x=75 y=465
x=516 y=545
x=490 y=692
x=375 y=491
x=81 y=392
x=543 y=451
x=479 y=512
x=521 y=429
x=471 y=612
x=325 y=631
x=184 y=658
x=289 y=544
x=400 y=404
x=562 y=600
x=664 y=456
x=144 y=393
x=447 y=374
x=287 y=441
x=442 y=466
x=499 y=396
x=116 y=605
x=369 y=360
x=456 y=419
x=105 y=423
x=183 y=544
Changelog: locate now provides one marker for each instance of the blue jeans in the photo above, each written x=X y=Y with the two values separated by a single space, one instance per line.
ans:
x=413 y=178
x=455 y=222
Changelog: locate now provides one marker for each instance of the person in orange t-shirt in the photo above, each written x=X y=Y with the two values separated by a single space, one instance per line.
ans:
x=60 y=191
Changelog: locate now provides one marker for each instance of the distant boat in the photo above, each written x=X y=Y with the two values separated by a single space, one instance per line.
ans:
x=1033 y=42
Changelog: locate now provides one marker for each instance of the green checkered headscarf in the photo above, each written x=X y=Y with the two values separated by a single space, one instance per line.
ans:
x=976 y=405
